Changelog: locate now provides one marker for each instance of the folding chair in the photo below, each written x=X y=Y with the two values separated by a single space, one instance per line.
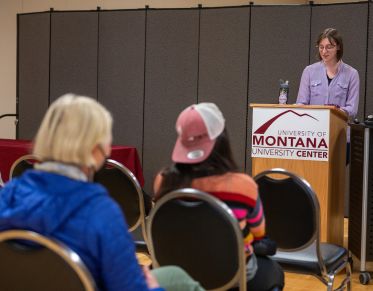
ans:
x=293 y=220
x=199 y=233
x=30 y=261
x=124 y=188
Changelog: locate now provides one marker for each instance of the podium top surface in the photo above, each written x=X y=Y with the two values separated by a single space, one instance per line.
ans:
x=340 y=113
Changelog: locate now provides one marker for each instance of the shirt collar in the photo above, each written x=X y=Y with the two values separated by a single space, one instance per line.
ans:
x=70 y=171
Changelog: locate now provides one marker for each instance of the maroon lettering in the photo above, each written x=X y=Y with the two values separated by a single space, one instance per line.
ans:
x=258 y=140
x=300 y=143
x=270 y=140
x=322 y=143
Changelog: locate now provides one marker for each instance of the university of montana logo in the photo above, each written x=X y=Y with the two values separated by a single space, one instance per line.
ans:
x=265 y=126
x=290 y=134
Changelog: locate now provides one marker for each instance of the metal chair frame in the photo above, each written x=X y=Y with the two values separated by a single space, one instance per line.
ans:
x=25 y=158
x=64 y=252
x=189 y=193
x=127 y=173
x=326 y=277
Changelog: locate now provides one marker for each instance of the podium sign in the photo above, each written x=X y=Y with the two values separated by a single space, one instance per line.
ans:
x=283 y=133
x=310 y=141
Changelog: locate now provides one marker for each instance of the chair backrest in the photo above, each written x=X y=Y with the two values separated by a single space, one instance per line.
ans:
x=124 y=188
x=199 y=233
x=30 y=261
x=291 y=209
x=22 y=164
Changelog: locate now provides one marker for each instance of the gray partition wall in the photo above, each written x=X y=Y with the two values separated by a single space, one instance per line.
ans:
x=146 y=65
x=73 y=66
x=279 y=42
x=33 y=72
x=121 y=73
x=223 y=69
x=351 y=21
x=170 y=81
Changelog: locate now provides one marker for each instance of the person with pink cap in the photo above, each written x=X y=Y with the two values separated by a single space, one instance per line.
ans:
x=202 y=159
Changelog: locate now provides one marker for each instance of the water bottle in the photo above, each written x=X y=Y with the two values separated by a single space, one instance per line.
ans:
x=284 y=92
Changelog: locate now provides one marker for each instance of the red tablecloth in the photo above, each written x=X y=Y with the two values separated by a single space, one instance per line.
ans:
x=11 y=150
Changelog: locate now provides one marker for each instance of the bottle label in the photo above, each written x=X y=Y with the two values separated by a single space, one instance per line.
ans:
x=283 y=98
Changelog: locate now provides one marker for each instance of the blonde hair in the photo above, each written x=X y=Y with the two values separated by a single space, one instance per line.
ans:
x=71 y=128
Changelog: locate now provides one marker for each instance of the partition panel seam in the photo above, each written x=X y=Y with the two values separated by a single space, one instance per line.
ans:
x=247 y=90
x=98 y=53
x=17 y=78
x=198 y=48
x=366 y=61
x=50 y=57
x=143 y=99
x=310 y=33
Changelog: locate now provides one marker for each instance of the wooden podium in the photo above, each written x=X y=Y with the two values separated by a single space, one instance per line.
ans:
x=309 y=140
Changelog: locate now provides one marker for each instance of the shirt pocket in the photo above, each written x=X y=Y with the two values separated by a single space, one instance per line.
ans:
x=341 y=90
x=315 y=88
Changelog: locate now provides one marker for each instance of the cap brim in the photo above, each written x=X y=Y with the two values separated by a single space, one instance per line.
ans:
x=192 y=154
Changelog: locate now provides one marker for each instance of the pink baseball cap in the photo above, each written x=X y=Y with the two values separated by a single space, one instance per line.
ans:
x=197 y=127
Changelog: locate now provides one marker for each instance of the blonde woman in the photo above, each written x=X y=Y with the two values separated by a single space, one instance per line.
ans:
x=58 y=199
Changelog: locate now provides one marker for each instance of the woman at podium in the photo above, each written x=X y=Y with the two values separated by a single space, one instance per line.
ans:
x=330 y=81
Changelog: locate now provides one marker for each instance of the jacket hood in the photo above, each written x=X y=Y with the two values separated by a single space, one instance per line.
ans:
x=24 y=201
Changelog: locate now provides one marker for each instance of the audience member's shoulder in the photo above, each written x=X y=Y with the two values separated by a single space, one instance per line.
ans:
x=100 y=201
x=104 y=210
x=99 y=188
x=103 y=198
x=157 y=182
x=105 y=223
x=244 y=178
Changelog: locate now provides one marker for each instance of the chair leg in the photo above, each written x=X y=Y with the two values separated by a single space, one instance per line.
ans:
x=330 y=282
x=348 y=275
x=346 y=283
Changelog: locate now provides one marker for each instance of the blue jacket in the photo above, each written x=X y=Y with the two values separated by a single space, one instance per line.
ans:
x=81 y=215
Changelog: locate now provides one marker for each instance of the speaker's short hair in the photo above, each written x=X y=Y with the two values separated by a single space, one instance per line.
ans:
x=334 y=38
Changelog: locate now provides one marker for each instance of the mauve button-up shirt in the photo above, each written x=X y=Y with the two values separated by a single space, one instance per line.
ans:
x=343 y=90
